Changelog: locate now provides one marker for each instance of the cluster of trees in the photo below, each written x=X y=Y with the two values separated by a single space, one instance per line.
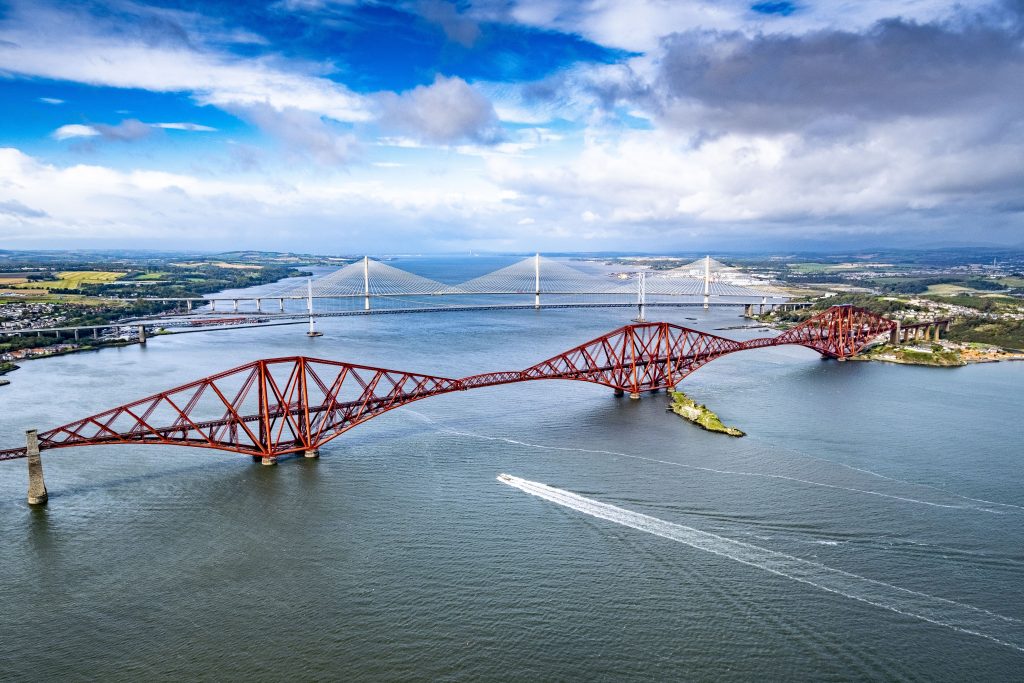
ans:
x=921 y=285
x=1006 y=333
x=870 y=302
x=187 y=282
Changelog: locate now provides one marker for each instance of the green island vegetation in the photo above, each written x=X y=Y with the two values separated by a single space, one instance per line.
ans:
x=699 y=414
x=6 y=367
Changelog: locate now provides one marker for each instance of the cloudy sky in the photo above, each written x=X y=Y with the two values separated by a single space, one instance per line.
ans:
x=437 y=126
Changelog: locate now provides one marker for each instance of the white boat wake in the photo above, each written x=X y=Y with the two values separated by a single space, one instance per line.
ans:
x=948 y=613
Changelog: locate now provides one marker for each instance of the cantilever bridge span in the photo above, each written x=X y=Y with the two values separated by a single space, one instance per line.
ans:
x=269 y=408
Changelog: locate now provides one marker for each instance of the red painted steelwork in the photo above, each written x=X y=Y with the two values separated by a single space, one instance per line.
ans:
x=285 y=405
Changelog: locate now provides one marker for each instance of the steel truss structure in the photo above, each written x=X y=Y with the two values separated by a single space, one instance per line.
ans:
x=269 y=408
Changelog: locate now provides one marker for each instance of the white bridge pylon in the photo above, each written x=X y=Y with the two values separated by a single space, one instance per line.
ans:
x=535 y=275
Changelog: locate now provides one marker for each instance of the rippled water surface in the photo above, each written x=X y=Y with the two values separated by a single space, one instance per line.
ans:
x=399 y=556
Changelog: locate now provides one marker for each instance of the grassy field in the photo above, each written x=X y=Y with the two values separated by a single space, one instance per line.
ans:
x=42 y=296
x=219 y=264
x=1012 y=281
x=809 y=268
x=72 y=279
x=816 y=268
x=949 y=290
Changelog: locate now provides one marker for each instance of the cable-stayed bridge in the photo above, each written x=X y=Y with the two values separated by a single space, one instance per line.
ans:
x=373 y=286
x=369 y=287
x=533 y=275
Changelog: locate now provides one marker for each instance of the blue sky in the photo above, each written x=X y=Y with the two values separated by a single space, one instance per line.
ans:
x=431 y=125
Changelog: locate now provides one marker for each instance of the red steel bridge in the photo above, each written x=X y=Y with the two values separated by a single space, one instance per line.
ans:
x=273 y=407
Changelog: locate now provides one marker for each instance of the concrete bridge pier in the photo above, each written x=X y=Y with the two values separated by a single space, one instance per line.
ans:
x=259 y=305
x=36 y=486
x=634 y=395
x=188 y=305
x=234 y=305
x=142 y=334
x=894 y=334
x=280 y=303
x=269 y=460
x=312 y=453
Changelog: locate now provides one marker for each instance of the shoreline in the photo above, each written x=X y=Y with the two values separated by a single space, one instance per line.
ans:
x=949 y=355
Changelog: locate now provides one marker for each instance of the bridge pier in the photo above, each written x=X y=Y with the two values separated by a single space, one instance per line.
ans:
x=280 y=303
x=188 y=305
x=36 y=486
x=269 y=460
x=634 y=395
x=142 y=334
x=618 y=393
x=312 y=453
x=894 y=334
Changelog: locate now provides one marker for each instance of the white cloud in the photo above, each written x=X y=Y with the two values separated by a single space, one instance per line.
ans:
x=447 y=111
x=906 y=174
x=43 y=42
x=48 y=204
x=302 y=132
x=74 y=130
x=197 y=127
x=51 y=100
x=126 y=131
x=639 y=25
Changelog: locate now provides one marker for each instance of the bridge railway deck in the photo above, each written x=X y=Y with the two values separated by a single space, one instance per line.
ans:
x=302 y=403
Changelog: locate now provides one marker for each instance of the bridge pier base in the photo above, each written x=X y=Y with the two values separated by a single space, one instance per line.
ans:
x=634 y=395
x=312 y=453
x=36 y=486
x=618 y=393
x=256 y=458
x=269 y=460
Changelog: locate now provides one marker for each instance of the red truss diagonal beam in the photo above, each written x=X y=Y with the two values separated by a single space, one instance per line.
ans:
x=285 y=405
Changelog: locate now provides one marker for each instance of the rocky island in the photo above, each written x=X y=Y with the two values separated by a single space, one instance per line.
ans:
x=699 y=414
